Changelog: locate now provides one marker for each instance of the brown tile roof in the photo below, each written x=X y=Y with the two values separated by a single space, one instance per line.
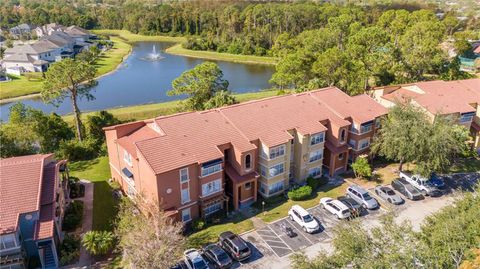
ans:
x=48 y=184
x=400 y=95
x=361 y=108
x=270 y=119
x=20 y=184
x=236 y=177
x=441 y=97
x=194 y=137
x=190 y=138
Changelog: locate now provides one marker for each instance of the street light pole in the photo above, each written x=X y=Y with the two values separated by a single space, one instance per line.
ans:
x=263 y=207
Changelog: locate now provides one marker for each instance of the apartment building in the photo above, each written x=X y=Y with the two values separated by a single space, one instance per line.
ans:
x=458 y=99
x=33 y=191
x=197 y=163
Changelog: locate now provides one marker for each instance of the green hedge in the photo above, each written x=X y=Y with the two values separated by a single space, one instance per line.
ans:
x=73 y=216
x=301 y=193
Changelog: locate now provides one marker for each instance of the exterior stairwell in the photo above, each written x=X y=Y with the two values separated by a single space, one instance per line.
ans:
x=49 y=259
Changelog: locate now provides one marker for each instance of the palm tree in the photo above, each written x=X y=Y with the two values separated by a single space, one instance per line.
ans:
x=98 y=242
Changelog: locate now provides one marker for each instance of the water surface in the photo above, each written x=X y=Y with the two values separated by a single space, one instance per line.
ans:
x=138 y=81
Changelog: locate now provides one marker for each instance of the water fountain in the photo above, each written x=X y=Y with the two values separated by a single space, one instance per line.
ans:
x=154 y=55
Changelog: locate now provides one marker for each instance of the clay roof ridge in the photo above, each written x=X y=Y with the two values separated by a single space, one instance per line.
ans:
x=328 y=107
x=146 y=159
x=234 y=126
x=40 y=186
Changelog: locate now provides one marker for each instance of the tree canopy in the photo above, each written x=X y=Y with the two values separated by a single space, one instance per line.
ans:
x=205 y=87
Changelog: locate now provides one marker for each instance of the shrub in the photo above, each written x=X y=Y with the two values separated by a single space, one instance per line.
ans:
x=98 y=242
x=76 y=190
x=301 y=193
x=315 y=183
x=69 y=249
x=73 y=216
x=74 y=150
x=362 y=168
x=198 y=225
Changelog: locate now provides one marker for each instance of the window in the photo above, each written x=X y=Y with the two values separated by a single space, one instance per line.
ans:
x=263 y=188
x=275 y=187
x=365 y=143
x=340 y=156
x=466 y=117
x=211 y=169
x=315 y=156
x=127 y=157
x=212 y=208
x=378 y=121
x=248 y=161
x=352 y=143
x=342 y=135
x=263 y=170
x=366 y=128
x=248 y=185
x=276 y=170
x=131 y=191
x=185 y=196
x=8 y=241
x=277 y=152
x=314 y=172
x=184 y=175
x=317 y=139
x=211 y=187
x=186 y=217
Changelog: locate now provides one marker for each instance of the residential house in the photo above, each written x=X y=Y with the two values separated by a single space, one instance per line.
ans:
x=197 y=163
x=21 y=30
x=458 y=99
x=48 y=29
x=33 y=190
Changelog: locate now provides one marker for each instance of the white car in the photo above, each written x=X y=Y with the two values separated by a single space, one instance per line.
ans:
x=335 y=207
x=422 y=184
x=194 y=260
x=304 y=219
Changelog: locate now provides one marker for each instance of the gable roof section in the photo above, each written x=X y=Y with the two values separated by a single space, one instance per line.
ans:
x=361 y=108
x=190 y=138
x=20 y=185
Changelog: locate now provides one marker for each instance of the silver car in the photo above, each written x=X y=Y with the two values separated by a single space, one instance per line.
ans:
x=362 y=196
x=389 y=195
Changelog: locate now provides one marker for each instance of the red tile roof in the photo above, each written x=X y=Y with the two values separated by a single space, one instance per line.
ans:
x=20 y=185
x=44 y=227
x=175 y=141
x=441 y=97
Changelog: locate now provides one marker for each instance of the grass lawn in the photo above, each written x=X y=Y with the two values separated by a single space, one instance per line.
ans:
x=21 y=85
x=113 y=57
x=212 y=55
x=131 y=37
x=277 y=207
x=142 y=112
x=236 y=223
x=104 y=205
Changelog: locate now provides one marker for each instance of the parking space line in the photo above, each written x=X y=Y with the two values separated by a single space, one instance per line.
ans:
x=281 y=239
x=299 y=231
x=269 y=246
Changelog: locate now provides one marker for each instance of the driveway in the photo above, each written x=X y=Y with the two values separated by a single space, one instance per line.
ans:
x=276 y=247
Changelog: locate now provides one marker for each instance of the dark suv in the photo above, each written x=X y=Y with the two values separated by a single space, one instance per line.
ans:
x=217 y=256
x=235 y=246
x=405 y=188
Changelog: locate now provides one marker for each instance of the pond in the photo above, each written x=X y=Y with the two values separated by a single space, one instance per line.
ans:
x=139 y=81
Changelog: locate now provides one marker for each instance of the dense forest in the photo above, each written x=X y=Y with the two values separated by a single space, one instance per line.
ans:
x=318 y=44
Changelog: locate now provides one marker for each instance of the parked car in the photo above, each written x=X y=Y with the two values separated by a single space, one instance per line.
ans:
x=422 y=184
x=354 y=207
x=217 y=256
x=288 y=230
x=388 y=195
x=335 y=207
x=194 y=260
x=437 y=181
x=235 y=246
x=180 y=265
x=362 y=197
x=405 y=188
x=304 y=219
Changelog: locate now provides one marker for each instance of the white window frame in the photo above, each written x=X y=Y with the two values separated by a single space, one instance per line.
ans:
x=466 y=118
x=366 y=129
x=181 y=195
x=341 y=154
x=263 y=170
x=213 y=186
x=216 y=207
x=9 y=236
x=364 y=143
x=315 y=156
x=127 y=157
x=276 y=189
x=205 y=172
x=279 y=173
x=315 y=172
x=276 y=152
x=316 y=139
x=184 y=170
x=249 y=186
x=189 y=214
x=352 y=143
